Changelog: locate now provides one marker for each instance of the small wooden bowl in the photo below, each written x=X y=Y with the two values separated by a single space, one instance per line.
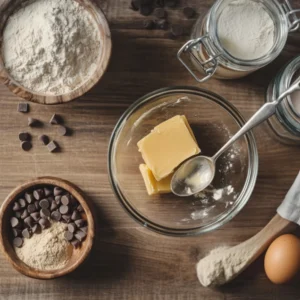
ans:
x=77 y=256
x=7 y=7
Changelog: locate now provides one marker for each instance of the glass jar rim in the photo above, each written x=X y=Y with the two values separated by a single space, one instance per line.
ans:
x=281 y=36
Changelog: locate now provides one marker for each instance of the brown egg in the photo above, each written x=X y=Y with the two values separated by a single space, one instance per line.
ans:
x=282 y=260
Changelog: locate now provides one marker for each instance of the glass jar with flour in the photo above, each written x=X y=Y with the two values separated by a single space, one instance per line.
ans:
x=237 y=37
x=285 y=124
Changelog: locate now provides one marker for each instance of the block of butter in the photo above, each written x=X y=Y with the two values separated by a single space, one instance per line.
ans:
x=152 y=185
x=167 y=146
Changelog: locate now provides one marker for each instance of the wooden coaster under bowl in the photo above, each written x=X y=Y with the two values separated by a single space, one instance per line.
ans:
x=77 y=256
x=8 y=7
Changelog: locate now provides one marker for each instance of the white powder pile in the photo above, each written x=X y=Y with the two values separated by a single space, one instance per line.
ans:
x=246 y=30
x=46 y=251
x=51 y=46
x=223 y=264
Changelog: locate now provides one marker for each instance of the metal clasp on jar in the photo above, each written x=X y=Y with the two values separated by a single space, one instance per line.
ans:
x=291 y=15
x=208 y=66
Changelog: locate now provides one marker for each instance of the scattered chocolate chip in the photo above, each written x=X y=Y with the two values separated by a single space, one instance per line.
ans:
x=56 y=215
x=57 y=191
x=53 y=206
x=47 y=192
x=80 y=208
x=84 y=229
x=52 y=146
x=37 y=205
x=38 y=194
x=58 y=200
x=55 y=120
x=44 y=203
x=29 y=198
x=65 y=200
x=25 y=214
x=75 y=215
x=44 y=223
x=162 y=24
x=66 y=218
x=62 y=130
x=29 y=221
x=64 y=209
x=26 y=233
x=24 y=136
x=80 y=235
x=146 y=9
x=69 y=236
x=148 y=24
x=16 y=232
x=23 y=107
x=31 y=208
x=160 y=13
x=16 y=206
x=135 y=5
x=26 y=146
x=80 y=223
x=72 y=227
x=18 y=214
x=44 y=139
x=75 y=243
x=189 y=12
x=33 y=122
x=36 y=228
x=35 y=216
x=45 y=213
x=171 y=3
x=177 y=30
x=18 y=242
x=22 y=202
x=14 y=222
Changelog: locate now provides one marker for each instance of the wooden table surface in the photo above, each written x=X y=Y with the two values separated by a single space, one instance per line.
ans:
x=129 y=261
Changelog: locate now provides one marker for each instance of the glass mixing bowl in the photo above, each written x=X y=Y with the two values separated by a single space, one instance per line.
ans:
x=213 y=121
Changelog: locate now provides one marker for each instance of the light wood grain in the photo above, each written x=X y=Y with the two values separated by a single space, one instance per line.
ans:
x=8 y=7
x=128 y=261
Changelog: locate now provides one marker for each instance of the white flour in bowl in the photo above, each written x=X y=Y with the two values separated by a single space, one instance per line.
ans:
x=51 y=46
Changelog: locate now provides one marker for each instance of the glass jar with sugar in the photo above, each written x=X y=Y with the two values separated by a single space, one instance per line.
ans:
x=237 y=37
x=285 y=124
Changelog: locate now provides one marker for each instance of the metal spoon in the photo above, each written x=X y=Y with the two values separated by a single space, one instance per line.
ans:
x=197 y=173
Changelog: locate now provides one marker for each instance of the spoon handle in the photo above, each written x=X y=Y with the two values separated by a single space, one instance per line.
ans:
x=265 y=112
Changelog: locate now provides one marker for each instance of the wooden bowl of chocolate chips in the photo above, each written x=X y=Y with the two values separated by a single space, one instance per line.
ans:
x=46 y=228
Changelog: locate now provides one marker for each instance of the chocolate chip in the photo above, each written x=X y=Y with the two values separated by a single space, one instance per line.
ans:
x=16 y=206
x=189 y=12
x=64 y=209
x=29 y=221
x=16 y=232
x=75 y=215
x=45 y=213
x=177 y=30
x=58 y=191
x=14 y=222
x=135 y=5
x=146 y=9
x=56 y=215
x=26 y=146
x=18 y=242
x=24 y=136
x=84 y=229
x=55 y=120
x=36 y=228
x=25 y=214
x=171 y=3
x=44 y=203
x=148 y=24
x=31 y=208
x=35 y=216
x=160 y=13
x=37 y=205
x=66 y=218
x=44 y=139
x=53 y=206
x=38 y=194
x=80 y=208
x=65 y=199
x=26 y=233
x=44 y=223
x=75 y=243
x=22 y=202
x=69 y=236
x=47 y=192
x=33 y=122
x=18 y=214
x=62 y=130
x=29 y=198
x=52 y=146
x=80 y=223
x=58 y=200
x=80 y=235
x=23 y=107
x=162 y=24
x=72 y=227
